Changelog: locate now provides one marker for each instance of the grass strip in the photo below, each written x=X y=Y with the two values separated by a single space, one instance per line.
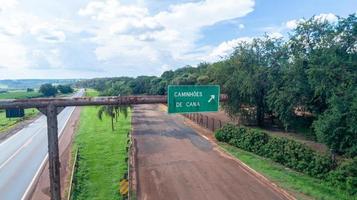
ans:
x=7 y=123
x=102 y=153
x=298 y=184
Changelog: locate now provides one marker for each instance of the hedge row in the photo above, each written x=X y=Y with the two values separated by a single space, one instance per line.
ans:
x=345 y=176
x=284 y=151
x=291 y=154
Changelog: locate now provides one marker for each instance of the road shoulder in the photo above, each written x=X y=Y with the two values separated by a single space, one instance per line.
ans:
x=41 y=187
x=209 y=135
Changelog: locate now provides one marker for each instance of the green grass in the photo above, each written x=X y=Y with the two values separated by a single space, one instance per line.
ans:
x=102 y=152
x=300 y=185
x=6 y=123
x=19 y=95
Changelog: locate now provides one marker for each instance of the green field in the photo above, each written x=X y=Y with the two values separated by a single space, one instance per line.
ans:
x=19 y=94
x=6 y=123
x=102 y=152
x=298 y=184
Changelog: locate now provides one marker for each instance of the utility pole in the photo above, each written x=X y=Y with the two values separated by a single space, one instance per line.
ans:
x=53 y=154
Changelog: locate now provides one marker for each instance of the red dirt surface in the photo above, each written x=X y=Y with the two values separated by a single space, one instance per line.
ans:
x=174 y=162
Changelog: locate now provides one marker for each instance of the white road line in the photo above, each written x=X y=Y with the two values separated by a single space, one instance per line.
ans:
x=13 y=136
x=34 y=178
x=24 y=196
x=19 y=149
x=205 y=137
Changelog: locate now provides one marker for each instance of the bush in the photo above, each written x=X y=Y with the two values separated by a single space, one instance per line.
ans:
x=226 y=133
x=282 y=150
x=345 y=176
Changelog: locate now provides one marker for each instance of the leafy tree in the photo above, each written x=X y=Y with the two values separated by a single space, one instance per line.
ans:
x=48 y=90
x=141 y=85
x=65 y=89
x=248 y=84
x=113 y=112
x=337 y=127
x=203 y=80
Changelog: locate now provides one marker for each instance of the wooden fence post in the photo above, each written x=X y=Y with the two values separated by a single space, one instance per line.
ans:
x=53 y=155
x=212 y=124
x=207 y=122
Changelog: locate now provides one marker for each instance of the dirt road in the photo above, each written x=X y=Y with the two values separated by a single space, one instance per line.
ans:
x=174 y=162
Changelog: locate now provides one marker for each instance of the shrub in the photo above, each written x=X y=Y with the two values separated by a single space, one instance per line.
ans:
x=285 y=151
x=345 y=176
x=226 y=133
x=254 y=141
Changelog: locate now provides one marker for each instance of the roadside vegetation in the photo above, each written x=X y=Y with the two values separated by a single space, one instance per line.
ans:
x=45 y=90
x=101 y=154
x=340 y=180
x=300 y=185
x=49 y=90
x=7 y=123
x=19 y=94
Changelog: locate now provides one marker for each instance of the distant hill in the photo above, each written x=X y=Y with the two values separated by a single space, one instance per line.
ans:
x=32 y=83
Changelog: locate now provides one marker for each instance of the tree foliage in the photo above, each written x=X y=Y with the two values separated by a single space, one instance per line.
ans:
x=112 y=111
x=309 y=77
x=48 y=90
x=65 y=89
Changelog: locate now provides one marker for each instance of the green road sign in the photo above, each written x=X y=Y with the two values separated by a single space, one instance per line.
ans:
x=193 y=98
x=15 y=112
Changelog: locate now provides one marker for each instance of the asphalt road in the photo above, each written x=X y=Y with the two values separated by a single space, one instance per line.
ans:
x=22 y=155
x=174 y=162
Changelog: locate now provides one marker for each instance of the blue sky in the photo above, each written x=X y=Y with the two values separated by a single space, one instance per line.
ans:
x=106 y=38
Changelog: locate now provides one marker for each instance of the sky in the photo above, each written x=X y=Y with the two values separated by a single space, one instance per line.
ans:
x=108 y=38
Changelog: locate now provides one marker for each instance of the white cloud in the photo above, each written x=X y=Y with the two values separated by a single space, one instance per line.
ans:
x=111 y=10
x=123 y=36
x=327 y=17
x=225 y=49
x=49 y=59
x=275 y=35
x=12 y=53
x=23 y=35
x=124 y=31
x=48 y=33
x=292 y=24
x=6 y=4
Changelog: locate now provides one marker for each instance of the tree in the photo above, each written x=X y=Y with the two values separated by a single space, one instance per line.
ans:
x=48 y=90
x=29 y=90
x=65 y=89
x=113 y=112
x=248 y=81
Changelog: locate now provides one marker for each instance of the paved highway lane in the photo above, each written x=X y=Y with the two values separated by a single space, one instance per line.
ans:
x=174 y=162
x=22 y=155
